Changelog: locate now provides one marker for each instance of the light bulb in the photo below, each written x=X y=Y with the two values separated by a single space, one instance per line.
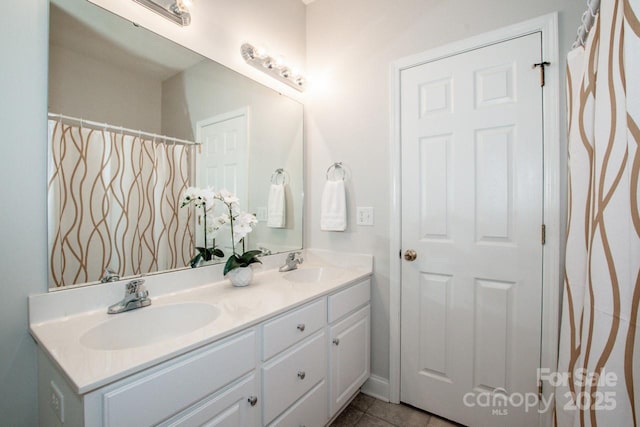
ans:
x=181 y=6
x=261 y=51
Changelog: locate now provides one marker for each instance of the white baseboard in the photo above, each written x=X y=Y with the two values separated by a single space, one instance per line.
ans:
x=377 y=387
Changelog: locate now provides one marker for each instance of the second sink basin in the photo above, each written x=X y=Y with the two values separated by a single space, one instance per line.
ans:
x=312 y=274
x=149 y=325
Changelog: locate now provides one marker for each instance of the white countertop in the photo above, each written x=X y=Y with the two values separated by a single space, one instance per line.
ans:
x=58 y=329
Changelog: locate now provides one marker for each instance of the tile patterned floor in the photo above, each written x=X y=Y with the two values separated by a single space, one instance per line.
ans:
x=365 y=411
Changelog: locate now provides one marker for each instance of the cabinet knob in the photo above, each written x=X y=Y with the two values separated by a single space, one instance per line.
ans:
x=301 y=327
x=301 y=374
x=336 y=341
x=252 y=400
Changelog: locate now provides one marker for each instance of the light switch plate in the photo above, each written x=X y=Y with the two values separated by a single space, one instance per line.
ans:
x=262 y=213
x=365 y=215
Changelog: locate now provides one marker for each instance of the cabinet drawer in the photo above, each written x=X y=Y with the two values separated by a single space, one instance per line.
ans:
x=310 y=411
x=231 y=407
x=290 y=376
x=292 y=327
x=155 y=397
x=348 y=300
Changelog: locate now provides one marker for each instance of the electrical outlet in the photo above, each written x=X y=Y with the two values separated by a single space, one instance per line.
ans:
x=365 y=215
x=56 y=401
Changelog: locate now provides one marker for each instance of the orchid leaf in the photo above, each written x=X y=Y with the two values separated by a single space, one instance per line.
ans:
x=195 y=261
x=250 y=257
x=218 y=252
x=232 y=263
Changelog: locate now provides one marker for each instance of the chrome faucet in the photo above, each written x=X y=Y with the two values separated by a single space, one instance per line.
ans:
x=109 y=276
x=292 y=262
x=135 y=296
x=264 y=251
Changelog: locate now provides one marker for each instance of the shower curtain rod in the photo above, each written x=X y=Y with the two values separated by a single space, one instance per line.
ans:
x=588 y=18
x=131 y=132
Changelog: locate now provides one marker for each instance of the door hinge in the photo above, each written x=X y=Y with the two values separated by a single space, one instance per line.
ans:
x=539 y=389
x=400 y=254
x=543 y=234
x=541 y=65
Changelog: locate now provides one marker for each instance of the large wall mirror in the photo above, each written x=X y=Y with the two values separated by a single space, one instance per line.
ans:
x=135 y=120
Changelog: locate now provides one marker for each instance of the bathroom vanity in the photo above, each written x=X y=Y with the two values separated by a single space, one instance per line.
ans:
x=292 y=349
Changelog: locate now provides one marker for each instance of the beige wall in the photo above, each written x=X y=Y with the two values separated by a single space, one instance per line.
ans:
x=88 y=88
x=350 y=45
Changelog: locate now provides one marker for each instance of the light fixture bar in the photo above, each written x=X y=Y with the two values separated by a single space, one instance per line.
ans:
x=174 y=10
x=270 y=66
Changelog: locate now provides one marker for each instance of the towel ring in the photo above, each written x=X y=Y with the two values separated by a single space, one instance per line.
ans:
x=334 y=168
x=280 y=173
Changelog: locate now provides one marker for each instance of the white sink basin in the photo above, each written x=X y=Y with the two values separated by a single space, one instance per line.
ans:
x=149 y=325
x=313 y=275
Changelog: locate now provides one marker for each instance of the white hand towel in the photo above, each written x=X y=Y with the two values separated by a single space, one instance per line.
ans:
x=277 y=207
x=333 y=214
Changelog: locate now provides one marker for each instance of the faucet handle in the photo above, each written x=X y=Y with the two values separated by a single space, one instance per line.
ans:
x=293 y=255
x=135 y=286
x=109 y=276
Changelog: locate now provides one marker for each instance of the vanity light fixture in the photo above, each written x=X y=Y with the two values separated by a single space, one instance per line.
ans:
x=174 y=10
x=272 y=66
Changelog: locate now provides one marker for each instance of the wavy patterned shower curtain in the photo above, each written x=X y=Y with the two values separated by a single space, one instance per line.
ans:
x=114 y=201
x=600 y=340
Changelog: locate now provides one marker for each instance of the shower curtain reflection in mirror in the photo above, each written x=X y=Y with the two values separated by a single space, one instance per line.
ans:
x=113 y=202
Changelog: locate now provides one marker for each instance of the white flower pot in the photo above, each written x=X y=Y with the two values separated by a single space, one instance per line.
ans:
x=240 y=276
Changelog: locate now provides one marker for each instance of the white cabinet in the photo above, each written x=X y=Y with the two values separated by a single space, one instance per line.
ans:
x=149 y=398
x=292 y=327
x=295 y=369
x=349 y=343
x=295 y=355
x=349 y=366
x=310 y=411
x=300 y=388
x=287 y=378
x=234 y=407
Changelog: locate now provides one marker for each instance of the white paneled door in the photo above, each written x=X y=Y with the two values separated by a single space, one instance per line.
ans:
x=472 y=193
x=222 y=161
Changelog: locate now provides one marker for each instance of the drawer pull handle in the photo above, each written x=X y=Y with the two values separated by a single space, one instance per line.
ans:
x=301 y=375
x=336 y=341
x=253 y=400
x=301 y=327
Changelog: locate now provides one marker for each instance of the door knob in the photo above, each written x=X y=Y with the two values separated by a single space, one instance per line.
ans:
x=410 y=255
x=301 y=375
x=301 y=327
x=252 y=400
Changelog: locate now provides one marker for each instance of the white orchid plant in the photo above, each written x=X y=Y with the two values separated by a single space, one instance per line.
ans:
x=238 y=222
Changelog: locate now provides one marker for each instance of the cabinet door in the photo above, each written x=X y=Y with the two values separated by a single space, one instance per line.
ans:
x=235 y=407
x=349 y=341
